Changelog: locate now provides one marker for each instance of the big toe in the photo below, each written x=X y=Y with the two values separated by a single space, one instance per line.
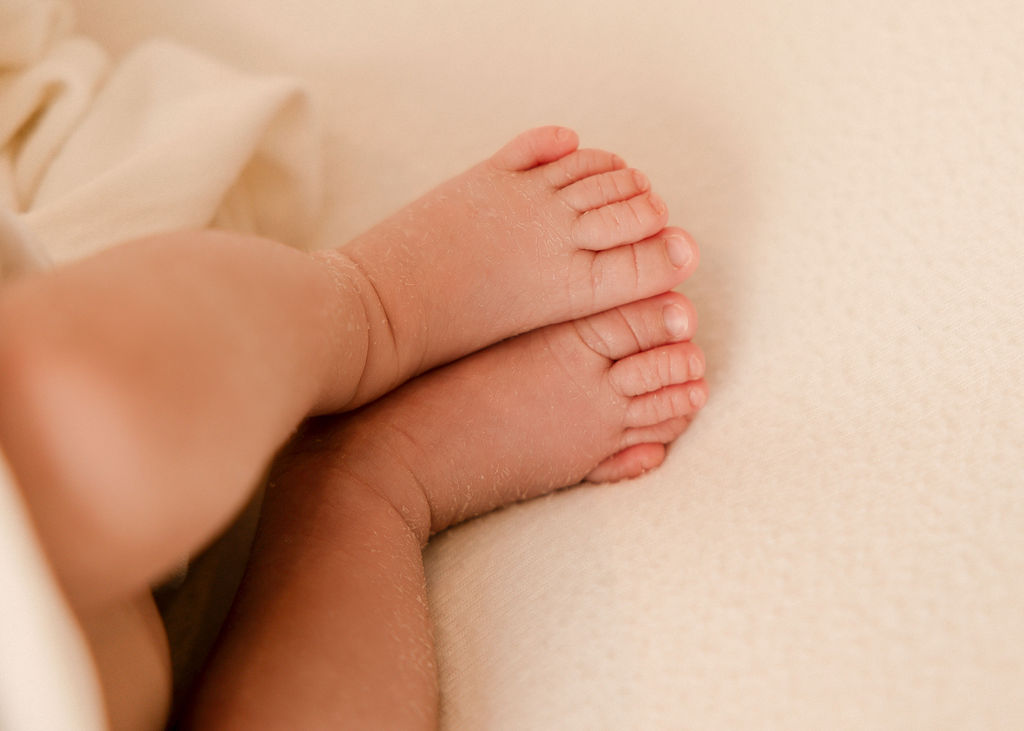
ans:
x=633 y=271
x=639 y=326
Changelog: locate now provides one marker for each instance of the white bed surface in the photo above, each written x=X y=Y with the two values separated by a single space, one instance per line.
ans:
x=838 y=542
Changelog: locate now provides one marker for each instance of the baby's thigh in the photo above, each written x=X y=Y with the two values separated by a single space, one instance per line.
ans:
x=130 y=649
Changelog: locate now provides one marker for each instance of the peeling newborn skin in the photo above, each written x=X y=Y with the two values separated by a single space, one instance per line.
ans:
x=596 y=399
x=540 y=233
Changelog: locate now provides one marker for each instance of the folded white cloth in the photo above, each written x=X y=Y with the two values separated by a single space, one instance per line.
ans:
x=92 y=153
x=46 y=675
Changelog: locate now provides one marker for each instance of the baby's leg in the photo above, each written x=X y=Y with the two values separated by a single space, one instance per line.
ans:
x=331 y=626
x=145 y=390
x=143 y=394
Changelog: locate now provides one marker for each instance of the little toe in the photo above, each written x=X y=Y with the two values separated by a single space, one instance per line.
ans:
x=635 y=271
x=536 y=147
x=666 y=403
x=620 y=223
x=638 y=326
x=581 y=164
x=630 y=462
x=655 y=369
x=600 y=190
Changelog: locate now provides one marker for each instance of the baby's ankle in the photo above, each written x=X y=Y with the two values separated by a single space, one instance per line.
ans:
x=375 y=464
x=360 y=314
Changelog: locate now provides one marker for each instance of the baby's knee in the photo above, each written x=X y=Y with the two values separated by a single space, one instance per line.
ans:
x=68 y=435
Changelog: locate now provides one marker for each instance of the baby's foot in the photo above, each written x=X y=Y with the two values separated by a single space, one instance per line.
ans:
x=540 y=233
x=596 y=399
x=331 y=618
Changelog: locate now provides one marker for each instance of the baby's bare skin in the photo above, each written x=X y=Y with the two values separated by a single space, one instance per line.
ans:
x=540 y=233
x=145 y=390
x=355 y=498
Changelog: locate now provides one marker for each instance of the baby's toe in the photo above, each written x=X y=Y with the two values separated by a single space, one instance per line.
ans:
x=634 y=271
x=601 y=190
x=630 y=462
x=637 y=327
x=579 y=165
x=655 y=369
x=663 y=433
x=667 y=403
x=536 y=147
x=622 y=222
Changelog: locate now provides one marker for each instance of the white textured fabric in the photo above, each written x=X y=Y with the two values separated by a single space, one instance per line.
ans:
x=94 y=152
x=838 y=542
x=46 y=676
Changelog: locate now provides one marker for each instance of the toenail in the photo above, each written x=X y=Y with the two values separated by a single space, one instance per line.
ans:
x=657 y=203
x=676 y=321
x=642 y=183
x=696 y=367
x=678 y=251
x=562 y=134
x=697 y=397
